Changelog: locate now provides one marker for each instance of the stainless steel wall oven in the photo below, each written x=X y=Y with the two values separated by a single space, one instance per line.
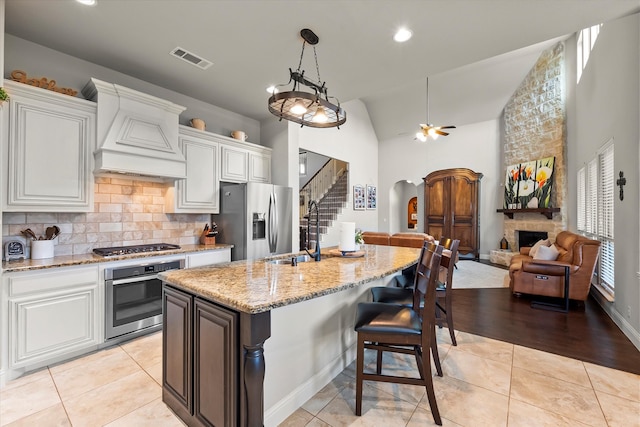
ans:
x=134 y=298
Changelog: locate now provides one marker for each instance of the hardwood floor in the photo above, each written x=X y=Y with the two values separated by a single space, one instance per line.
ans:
x=585 y=333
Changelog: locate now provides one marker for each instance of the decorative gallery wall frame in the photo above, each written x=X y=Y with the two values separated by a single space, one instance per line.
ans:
x=529 y=184
x=372 y=197
x=359 y=198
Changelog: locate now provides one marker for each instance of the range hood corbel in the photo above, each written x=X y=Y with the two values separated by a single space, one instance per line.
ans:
x=137 y=134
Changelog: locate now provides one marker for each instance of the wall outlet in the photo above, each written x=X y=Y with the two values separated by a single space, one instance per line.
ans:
x=628 y=312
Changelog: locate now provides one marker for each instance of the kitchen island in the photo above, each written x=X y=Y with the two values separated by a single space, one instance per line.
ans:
x=218 y=319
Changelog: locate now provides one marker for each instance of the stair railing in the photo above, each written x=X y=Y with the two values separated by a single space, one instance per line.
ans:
x=320 y=183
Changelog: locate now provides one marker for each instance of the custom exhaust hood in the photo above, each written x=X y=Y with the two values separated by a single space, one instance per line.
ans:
x=137 y=134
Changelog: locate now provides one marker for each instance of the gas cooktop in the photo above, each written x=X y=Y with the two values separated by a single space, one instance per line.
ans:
x=134 y=249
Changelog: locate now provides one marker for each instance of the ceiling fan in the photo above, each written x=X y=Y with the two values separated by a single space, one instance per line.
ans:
x=428 y=129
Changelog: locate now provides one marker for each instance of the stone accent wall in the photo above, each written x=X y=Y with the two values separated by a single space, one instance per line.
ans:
x=534 y=128
x=127 y=212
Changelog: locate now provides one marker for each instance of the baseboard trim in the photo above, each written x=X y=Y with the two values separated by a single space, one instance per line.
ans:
x=622 y=323
x=294 y=400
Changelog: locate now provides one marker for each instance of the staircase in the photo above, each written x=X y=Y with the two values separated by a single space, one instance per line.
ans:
x=330 y=205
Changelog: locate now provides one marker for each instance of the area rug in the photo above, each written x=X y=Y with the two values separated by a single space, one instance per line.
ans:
x=473 y=275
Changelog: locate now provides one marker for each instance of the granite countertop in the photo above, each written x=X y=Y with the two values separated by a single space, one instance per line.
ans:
x=70 y=260
x=258 y=286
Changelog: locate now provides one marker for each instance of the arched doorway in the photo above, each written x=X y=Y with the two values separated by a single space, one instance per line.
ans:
x=400 y=196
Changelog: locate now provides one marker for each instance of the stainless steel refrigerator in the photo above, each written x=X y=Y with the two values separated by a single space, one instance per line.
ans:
x=255 y=218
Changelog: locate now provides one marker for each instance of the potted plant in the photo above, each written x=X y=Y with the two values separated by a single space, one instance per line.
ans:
x=359 y=239
x=3 y=95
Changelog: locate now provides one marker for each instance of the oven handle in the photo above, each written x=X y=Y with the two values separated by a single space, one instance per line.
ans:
x=132 y=279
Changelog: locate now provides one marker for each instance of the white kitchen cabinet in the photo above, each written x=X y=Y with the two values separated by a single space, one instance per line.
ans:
x=53 y=314
x=200 y=259
x=234 y=165
x=48 y=144
x=199 y=191
x=259 y=167
x=243 y=161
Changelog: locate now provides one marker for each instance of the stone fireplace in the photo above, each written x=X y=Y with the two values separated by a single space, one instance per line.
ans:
x=534 y=128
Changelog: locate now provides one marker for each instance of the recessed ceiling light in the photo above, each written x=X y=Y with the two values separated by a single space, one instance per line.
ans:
x=272 y=90
x=88 y=2
x=402 y=35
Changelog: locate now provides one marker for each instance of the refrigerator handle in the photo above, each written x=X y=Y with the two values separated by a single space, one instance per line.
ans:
x=276 y=226
x=273 y=223
x=270 y=231
x=272 y=249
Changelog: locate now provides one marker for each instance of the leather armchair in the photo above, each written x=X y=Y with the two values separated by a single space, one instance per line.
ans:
x=540 y=277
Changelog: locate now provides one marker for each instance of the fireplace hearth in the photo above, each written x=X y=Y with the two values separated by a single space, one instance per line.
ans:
x=529 y=238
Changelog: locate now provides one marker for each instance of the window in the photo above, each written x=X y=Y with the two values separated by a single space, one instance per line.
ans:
x=605 y=217
x=585 y=43
x=595 y=219
x=592 y=197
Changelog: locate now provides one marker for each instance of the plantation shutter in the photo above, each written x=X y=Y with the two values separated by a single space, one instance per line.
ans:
x=582 y=200
x=605 y=217
x=591 y=216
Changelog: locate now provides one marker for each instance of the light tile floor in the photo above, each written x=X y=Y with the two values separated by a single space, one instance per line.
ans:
x=485 y=383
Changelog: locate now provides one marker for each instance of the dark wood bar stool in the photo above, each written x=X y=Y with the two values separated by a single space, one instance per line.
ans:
x=408 y=276
x=399 y=329
x=444 y=294
x=402 y=293
x=405 y=280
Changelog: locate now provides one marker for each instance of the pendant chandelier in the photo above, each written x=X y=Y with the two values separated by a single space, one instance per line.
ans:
x=308 y=108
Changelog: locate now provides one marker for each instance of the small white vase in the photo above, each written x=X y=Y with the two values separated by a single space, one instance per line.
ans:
x=357 y=247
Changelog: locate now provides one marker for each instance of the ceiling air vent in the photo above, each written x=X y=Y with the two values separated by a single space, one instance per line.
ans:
x=191 y=58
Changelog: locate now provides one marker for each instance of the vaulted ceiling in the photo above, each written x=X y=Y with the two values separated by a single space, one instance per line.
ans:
x=476 y=52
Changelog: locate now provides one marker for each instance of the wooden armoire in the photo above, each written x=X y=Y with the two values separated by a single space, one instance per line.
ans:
x=452 y=207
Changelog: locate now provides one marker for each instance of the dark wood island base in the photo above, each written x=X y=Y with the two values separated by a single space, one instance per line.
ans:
x=216 y=321
x=213 y=361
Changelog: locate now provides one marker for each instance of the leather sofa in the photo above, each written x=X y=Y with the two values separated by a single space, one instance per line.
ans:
x=541 y=277
x=376 y=238
x=411 y=240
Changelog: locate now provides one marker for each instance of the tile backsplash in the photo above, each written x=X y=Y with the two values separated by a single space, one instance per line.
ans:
x=126 y=212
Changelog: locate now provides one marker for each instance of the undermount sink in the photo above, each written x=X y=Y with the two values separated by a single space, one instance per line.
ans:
x=289 y=261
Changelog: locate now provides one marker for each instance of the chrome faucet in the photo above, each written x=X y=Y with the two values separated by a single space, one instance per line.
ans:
x=313 y=206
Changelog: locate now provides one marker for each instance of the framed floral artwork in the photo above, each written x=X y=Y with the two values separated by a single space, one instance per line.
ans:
x=529 y=184
x=372 y=197
x=543 y=183
x=359 y=198
x=511 y=187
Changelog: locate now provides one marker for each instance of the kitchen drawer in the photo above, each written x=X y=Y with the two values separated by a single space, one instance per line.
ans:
x=201 y=259
x=52 y=279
